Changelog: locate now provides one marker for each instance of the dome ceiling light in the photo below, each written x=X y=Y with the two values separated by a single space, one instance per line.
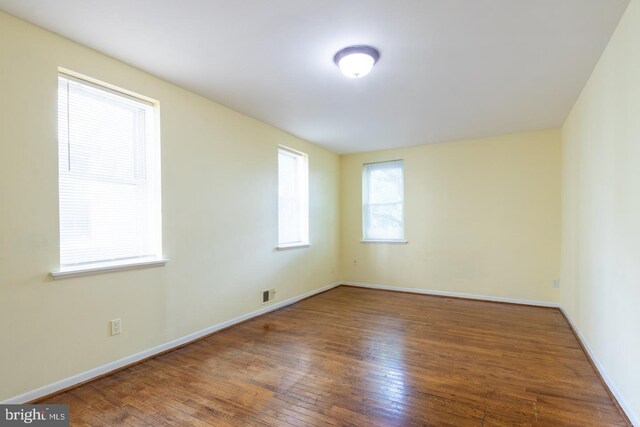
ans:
x=356 y=61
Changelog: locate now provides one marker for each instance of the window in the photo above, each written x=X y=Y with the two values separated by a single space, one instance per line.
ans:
x=383 y=201
x=109 y=177
x=293 y=198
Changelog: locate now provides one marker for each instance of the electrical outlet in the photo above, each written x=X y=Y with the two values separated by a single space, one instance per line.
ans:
x=116 y=327
x=555 y=283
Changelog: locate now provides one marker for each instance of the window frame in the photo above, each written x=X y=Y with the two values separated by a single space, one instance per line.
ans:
x=303 y=202
x=366 y=204
x=152 y=160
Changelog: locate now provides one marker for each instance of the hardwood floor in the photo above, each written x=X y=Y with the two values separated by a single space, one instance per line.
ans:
x=364 y=357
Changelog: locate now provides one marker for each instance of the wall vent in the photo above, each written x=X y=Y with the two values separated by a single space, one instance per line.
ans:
x=268 y=295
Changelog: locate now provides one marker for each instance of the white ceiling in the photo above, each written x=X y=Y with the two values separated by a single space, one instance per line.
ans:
x=449 y=69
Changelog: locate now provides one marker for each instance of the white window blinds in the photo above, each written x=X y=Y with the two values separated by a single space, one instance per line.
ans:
x=109 y=179
x=383 y=201
x=293 y=199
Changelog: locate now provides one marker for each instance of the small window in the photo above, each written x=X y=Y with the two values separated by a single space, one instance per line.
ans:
x=109 y=177
x=293 y=198
x=383 y=201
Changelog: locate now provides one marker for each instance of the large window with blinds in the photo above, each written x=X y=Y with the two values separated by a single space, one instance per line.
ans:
x=293 y=198
x=109 y=177
x=383 y=201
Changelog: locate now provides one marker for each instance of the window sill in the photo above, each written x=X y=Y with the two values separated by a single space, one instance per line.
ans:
x=397 y=242
x=292 y=246
x=105 y=268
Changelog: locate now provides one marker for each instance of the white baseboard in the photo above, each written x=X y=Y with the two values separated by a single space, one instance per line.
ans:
x=112 y=366
x=454 y=294
x=625 y=407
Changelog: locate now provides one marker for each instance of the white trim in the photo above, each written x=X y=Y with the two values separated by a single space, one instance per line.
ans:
x=104 y=369
x=301 y=178
x=366 y=203
x=623 y=404
x=104 y=268
x=401 y=242
x=109 y=367
x=455 y=294
x=284 y=247
x=292 y=150
x=99 y=84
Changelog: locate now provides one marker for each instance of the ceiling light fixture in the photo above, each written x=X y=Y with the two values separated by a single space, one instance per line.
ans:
x=356 y=61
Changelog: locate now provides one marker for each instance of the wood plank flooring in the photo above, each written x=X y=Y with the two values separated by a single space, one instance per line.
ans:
x=362 y=357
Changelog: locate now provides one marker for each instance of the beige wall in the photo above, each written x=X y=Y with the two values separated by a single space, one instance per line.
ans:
x=219 y=175
x=481 y=217
x=601 y=211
